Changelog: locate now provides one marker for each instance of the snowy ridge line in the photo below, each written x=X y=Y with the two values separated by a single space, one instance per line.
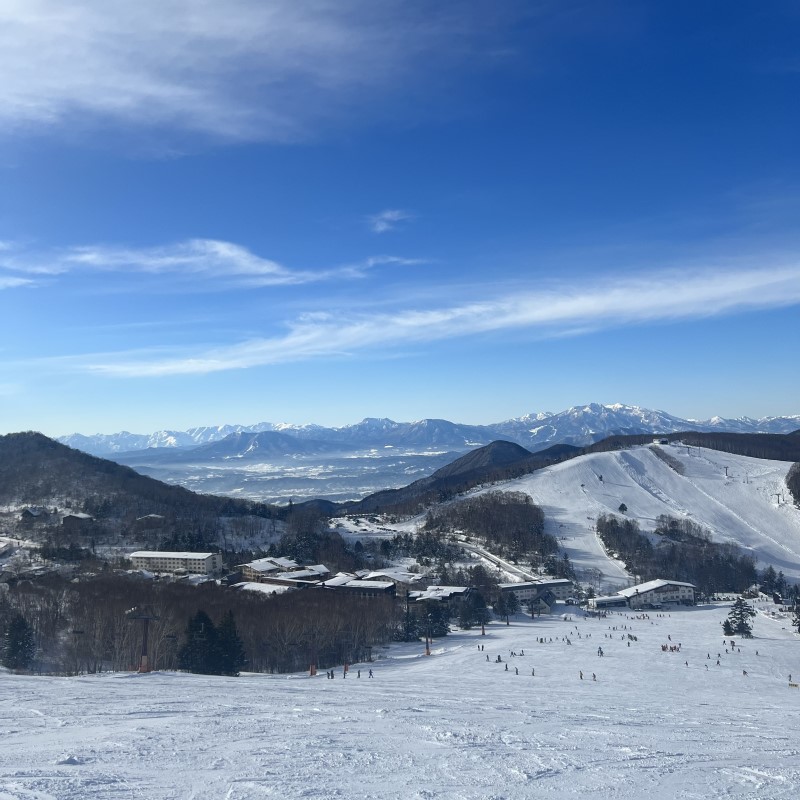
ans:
x=579 y=425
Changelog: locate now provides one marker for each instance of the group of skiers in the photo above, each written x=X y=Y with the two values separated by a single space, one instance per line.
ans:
x=330 y=674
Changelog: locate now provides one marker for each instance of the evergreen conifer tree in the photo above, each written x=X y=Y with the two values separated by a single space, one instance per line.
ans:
x=473 y=611
x=499 y=605
x=231 y=650
x=18 y=644
x=200 y=652
x=739 y=617
x=512 y=604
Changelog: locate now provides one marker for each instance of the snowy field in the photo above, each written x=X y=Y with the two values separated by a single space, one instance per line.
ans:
x=452 y=725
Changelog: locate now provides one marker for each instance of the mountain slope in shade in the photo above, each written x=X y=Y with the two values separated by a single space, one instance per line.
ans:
x=496 y=461
x=496 y=454
x=35 y=470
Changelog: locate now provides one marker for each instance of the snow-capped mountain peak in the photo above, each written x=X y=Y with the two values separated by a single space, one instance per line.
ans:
x=578 y=425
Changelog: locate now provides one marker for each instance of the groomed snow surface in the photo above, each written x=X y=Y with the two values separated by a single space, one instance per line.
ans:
x=740 y=507
x=452 y=725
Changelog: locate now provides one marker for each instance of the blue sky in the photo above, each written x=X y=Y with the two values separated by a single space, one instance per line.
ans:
x=319 y=211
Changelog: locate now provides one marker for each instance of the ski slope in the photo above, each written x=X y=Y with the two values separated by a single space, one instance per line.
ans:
x=453 y=726
x=740 y=507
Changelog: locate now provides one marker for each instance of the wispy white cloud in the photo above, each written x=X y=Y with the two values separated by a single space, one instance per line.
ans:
x=211 y=260
x=661 y=297
x=387 y=220
x=14 y=282
x=239 y=69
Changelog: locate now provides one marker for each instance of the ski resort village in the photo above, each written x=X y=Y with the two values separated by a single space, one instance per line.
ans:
x=620 y=621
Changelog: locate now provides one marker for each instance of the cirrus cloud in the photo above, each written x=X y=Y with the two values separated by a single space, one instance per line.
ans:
x=265 y=70
x=658 y=297
x=213 y=260
x=388 y=220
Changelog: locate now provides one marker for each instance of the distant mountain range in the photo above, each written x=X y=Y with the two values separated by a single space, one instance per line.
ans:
x=579 y=426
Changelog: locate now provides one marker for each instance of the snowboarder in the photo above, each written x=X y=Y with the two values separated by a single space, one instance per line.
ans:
x=370 y=673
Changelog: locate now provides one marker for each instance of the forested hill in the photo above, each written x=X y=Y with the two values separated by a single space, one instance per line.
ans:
x=771 y=446
x=38 y=471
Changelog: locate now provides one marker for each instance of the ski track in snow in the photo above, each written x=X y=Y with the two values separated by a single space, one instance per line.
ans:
x=453 y=725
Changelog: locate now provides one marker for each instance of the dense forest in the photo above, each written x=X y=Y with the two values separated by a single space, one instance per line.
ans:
x=678 y=549
x=510 y=524
x=84 y=626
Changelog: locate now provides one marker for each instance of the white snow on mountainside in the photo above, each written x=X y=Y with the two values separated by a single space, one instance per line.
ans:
x=741 y=507
x=557 y=722
x=580 y=425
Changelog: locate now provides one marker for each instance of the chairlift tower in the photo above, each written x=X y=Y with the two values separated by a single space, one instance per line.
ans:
x=144 y=615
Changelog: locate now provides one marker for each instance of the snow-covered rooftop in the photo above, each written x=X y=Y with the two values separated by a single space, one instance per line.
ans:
x=659 y=583
x=340 y=579
x=370 y=584
x=438 y=592
x=264 y=588
x=168 y=554
x=400 y=576
x=272 y=564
